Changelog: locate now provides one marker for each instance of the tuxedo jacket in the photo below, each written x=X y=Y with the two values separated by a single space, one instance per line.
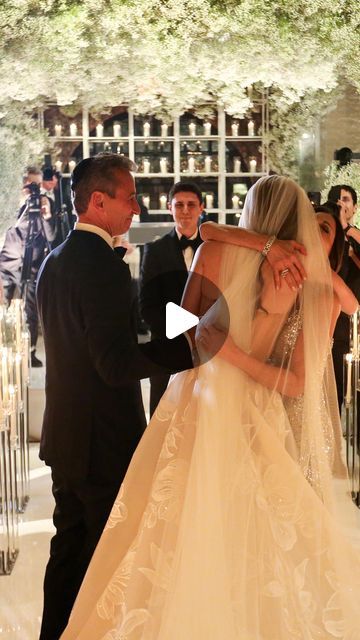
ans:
x=163 y=278
x=94 y=415
x=350 y=273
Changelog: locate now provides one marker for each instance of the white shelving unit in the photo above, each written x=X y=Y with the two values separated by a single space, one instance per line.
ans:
x=234 y=161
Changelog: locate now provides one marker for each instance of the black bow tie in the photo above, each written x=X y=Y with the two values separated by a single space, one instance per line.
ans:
x=186 y=242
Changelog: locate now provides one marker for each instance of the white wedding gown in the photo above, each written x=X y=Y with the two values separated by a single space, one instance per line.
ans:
x=225 y=527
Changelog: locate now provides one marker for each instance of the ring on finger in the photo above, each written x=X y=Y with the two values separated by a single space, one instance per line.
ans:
x=284 y=272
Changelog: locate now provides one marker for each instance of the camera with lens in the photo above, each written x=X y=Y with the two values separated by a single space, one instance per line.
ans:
x=34 y=189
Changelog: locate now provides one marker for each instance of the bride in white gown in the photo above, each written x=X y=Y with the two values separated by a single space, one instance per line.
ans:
x=226 y=526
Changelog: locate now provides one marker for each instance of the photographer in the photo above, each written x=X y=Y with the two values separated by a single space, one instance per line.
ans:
x=29 y=238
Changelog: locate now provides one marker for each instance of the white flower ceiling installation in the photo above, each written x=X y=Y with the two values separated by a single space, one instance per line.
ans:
x=163 y=57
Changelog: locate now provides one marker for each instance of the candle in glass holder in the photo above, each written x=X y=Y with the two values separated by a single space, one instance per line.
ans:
x=119 y=149
x=191 y=164
x=117 y=129
x=164 y=130
x=99 y=130
x=18 y=378
x=237 y=165
x=192 y=128
x=146 y=129
x=207 y=128
x=146 y=165
x=72 y=165
x=5 y=375
x=235 y=201
x=348 y=395
x=163 y=201
x=251 y=129
x=146 y=201
x=163 y=165
x=73 y=129
x=235 y=128
x=252 y=165
x=58 y=130
x=58 y=165
x=209 y=201
x=355 y=335
x=208 y=161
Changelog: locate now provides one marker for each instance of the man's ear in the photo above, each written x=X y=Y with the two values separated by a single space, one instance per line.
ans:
x=97 y=199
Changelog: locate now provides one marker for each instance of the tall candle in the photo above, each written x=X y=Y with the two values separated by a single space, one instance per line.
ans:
x=18 y=379
x=209 y=200
x=191 y=164
x=237 y=165
x=348 y=395
x=146 y=129
x=208 y=161
x=192 y=128
x=72 y=165
x=58 y=165
x=5 y=375
x=207 y=128
x=235 y=201
x=117 y=129
x=58 y=130
x=163 y=201
x=163 y=165
x=25 y=361
x=355 y=334
x=235 y=129
x=164 y=130
x=146 y=166
x=252 y=165
x=99 y=130
x=251 y=130
x=73 y=129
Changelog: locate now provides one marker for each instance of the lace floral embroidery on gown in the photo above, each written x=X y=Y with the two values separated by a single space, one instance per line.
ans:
x=215 y=532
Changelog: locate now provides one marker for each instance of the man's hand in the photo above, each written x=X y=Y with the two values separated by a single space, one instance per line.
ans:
x=284 y=257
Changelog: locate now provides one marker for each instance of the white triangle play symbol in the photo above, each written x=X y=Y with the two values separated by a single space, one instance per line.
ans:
x=178 y=320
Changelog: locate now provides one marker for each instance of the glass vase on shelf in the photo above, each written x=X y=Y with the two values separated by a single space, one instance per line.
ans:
x=207 y=128
x=207 y=164
x=252 y=164
x=163 y=201
x=146 y=165
x=117 y=129
x=235 y=128
x=146 y=200
x=163 y=165
x=237 y=164
x=209 y=200
x=146 y=129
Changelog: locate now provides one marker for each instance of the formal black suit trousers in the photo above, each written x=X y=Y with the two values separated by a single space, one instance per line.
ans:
x=81 y=511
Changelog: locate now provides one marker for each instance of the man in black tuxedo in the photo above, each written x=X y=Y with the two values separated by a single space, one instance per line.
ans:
x=165 y=266
x=94 y=416
x=346 y=198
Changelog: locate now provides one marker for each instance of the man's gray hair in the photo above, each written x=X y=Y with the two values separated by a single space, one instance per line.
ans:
x=98 y=173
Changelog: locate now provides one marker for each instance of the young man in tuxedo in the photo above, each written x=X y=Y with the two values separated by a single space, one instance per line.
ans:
x=165 y=266
x=94 y=416
x=346 y=198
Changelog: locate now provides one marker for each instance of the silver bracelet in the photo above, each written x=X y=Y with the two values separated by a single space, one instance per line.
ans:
x=268 y=244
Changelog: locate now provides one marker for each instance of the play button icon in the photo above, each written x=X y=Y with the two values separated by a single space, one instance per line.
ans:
x=178 y=320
